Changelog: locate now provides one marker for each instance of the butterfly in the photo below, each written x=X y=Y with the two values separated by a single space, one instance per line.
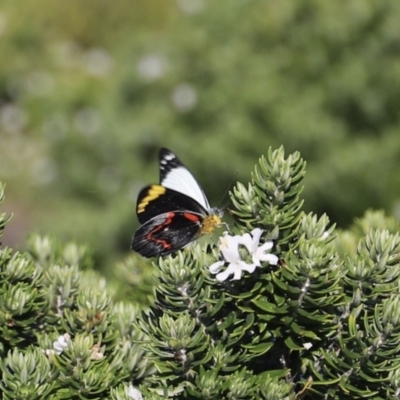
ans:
x=173 y=213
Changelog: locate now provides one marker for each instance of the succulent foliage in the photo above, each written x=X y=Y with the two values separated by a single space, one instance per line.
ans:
x=324 y=323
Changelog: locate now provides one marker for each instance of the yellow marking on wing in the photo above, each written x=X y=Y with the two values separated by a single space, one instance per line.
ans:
x=154 y=192
x=210 y=223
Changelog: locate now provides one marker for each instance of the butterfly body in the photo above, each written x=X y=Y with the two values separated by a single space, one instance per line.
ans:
x=174 y=212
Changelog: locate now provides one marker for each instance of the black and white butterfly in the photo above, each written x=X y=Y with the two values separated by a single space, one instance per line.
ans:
x=174 y=212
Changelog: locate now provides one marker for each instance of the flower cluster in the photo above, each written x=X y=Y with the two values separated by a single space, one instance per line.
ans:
x=229 y=247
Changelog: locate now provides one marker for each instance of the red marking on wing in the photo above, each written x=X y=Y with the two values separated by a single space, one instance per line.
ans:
x=163 y=242
x=192 y=217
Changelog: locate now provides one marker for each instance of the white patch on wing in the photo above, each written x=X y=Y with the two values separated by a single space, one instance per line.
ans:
x=168 y=157
x=181 y=180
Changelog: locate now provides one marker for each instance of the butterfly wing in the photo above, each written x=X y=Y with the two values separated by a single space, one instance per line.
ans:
x=166 y=233
x=156 y=200
x=175 y=176
x=173 y=213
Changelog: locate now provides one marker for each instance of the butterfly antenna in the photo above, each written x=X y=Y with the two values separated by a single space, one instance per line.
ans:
x=220 y=207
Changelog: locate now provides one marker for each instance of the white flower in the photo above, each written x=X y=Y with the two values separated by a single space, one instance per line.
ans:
x=229 y=247
x=61 y=343
x=134 y=393
x=258 y=252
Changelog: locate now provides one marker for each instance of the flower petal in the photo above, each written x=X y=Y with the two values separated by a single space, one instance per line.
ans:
x=249 y=267
x=230 y=248
x=216 y=267
x=227 y=240
x=266 y=246
x=236 y=269
x=256 y=233
x=237 y=274
x=262 y=254
x=246 y=240
x=271 y=258
x=251 y=241
x=223 y=276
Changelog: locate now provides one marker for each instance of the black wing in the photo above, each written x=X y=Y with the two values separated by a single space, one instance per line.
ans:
x=166 y=233
x=154 y=200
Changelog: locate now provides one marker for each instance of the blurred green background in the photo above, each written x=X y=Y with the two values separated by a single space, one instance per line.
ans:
x=89 y=91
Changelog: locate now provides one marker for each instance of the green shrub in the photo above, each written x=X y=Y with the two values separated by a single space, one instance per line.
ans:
x=310 y=314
